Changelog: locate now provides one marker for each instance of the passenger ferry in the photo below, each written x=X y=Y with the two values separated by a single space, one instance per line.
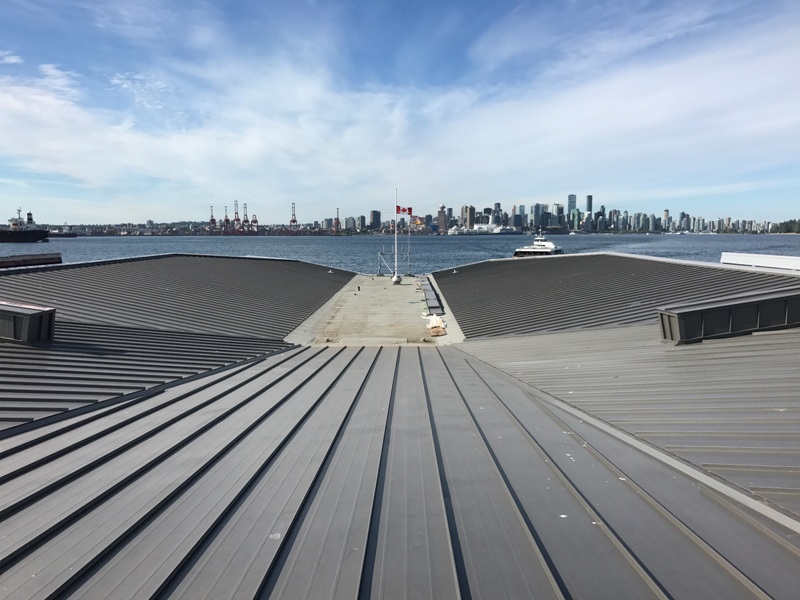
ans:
x=540 y=247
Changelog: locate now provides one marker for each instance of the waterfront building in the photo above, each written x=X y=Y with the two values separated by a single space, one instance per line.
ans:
x=572 y=203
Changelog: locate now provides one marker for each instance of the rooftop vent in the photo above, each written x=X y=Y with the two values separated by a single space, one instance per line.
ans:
x=732 y=315
x=30 y=260
x=26 y=324
x=768 y=261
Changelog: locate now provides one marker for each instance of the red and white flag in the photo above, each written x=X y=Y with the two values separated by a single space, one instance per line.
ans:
x=403 y=210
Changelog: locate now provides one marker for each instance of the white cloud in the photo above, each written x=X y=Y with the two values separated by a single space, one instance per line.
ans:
x=277 y=129
x=9 y=58
x=145 y=89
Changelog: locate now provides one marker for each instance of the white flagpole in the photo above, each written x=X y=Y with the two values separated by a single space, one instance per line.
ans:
x=408 y=250
x=396 y=279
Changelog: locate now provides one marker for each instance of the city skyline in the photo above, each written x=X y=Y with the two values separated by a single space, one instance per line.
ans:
x=664 y=220
x=614 y=219
x=117 y=111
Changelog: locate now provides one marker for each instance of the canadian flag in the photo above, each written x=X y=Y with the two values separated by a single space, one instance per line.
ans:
x=403 y=209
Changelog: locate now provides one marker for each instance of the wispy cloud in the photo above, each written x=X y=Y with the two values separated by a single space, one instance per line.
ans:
x=145 y=90
x=640 y=110
x=9 y=58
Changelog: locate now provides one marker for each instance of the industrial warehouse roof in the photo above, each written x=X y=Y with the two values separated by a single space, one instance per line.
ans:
x=200 y=294
x=731 y=407
x=344 y=472
x=90 y=363
x=522 y=296
x=128 y=325
x=416 y=471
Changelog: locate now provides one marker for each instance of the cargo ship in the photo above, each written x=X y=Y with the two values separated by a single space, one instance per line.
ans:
x=23 y=231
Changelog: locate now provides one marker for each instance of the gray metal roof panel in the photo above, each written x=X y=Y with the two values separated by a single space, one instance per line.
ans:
x=510 y=562
x=362 y=471
x=89 y=363
x=707 y=403
x=339 y=516
x=200 y=294
x=524 y=296
x=413 y=547
x=392 y=472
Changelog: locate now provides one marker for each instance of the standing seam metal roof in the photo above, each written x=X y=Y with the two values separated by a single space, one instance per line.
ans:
x=90 y=363
x=200 y=294
x=582 y=291
x=728 y=406
x=127 y=325
x=364 y=472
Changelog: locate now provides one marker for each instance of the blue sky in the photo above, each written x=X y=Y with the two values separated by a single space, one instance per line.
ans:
x=117 y=111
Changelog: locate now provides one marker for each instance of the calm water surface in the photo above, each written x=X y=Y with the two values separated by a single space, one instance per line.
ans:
x=428 y=253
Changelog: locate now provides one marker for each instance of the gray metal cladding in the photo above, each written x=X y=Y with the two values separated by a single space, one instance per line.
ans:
x=90 y=363
x=729 y=406
x=363 y=472
x=523 y=296
x=128 y=325
x=200 y=294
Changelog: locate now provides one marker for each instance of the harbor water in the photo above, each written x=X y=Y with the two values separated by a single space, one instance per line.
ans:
x=427 y=253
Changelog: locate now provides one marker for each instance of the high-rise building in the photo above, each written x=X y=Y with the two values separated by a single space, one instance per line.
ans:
x=575 y=219
x=538 y=210
x=497 y=214
x=558 y=215
x=375 y=219
x=441 y=219
x=589 y=214
x=572 y=203
x=468 y=217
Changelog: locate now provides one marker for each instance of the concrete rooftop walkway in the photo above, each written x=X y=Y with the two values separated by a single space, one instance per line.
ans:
x=371 y=311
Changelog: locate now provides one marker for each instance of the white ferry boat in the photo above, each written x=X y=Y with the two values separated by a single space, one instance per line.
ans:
x=541 y=247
